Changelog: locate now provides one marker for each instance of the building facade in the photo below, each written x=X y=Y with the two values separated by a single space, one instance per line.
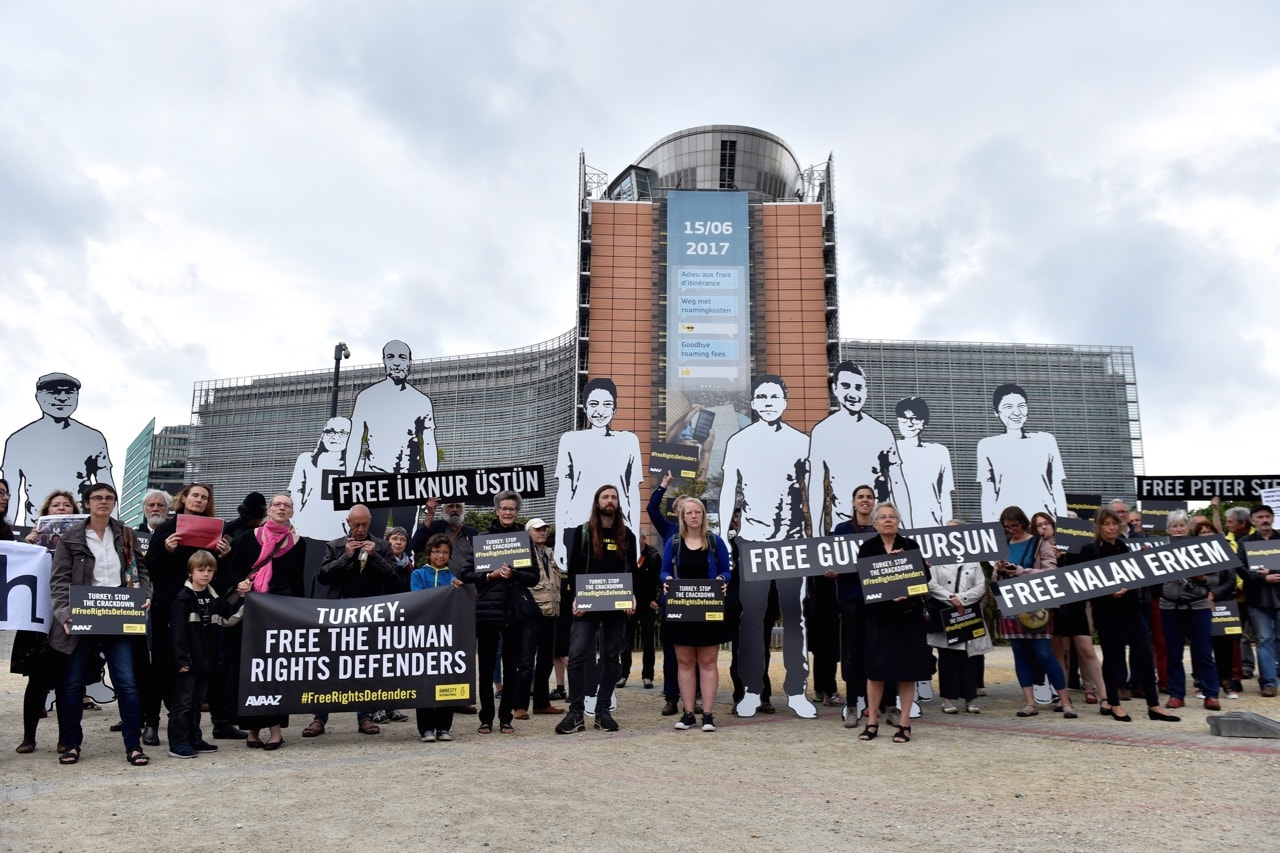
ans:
x=153 y=461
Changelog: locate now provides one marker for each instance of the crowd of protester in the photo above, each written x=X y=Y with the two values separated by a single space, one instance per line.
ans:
x=530 y=630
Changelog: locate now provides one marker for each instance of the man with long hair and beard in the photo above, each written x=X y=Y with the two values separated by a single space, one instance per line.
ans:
x=603 y=545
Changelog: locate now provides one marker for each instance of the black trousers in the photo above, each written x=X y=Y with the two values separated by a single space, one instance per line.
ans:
x=1120 y=623
x=517 y=668
x=822 y=627
x=957 y=678
x=543 y=642
x=189 y=689
x=611 y=628
x=644 y=619
x=434 y=720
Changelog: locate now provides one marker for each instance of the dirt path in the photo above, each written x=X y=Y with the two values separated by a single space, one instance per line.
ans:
x=985 y=781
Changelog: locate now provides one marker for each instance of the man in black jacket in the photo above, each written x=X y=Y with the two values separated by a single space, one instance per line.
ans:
x=1262 y=594
x=603 y=545
x=355 y=566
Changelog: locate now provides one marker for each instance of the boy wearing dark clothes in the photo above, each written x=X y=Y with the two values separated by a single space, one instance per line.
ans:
x=198 y=613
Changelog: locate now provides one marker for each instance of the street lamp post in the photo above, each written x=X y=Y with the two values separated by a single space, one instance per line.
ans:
x=339 y=353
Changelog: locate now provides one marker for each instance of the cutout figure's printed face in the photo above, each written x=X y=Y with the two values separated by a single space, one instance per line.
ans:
x=396 y=359
x=850 y=390
x=58 y=400
x=335 y=434
x=769 y=402
x=1012 y=411
x=600 y=408
x=910 y=425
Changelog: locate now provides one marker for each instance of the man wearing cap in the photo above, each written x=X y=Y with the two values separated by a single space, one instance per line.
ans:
x=54 y=452
x=1262 y=594
x=547 y=593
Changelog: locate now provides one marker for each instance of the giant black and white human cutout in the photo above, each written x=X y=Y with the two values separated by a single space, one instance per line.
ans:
x=53 y=452
x=766 y=461
x=393 y=428
x=310 y=487
x=593 y=457
x=926 y=468
x=1017 y=467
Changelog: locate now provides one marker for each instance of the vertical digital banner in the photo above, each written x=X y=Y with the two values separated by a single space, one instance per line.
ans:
x=708 y=322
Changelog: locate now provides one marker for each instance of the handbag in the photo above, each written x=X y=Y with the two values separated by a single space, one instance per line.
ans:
x=520 y=603
x=1034 y=620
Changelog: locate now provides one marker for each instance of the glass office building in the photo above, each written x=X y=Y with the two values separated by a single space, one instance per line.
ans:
x=153 y=461
x=499 y=408
x=1085 y=396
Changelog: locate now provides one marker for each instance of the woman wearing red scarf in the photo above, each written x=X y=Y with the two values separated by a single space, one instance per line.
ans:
x=272 y=557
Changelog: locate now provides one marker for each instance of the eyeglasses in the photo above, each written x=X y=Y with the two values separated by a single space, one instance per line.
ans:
x=337 y=432
x=102 y=498
x=4 y=493
x=506 y=509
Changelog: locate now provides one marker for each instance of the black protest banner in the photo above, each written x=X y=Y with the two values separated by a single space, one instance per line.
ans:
x=1072 y=534
x=108 y=610
x=1155 y=515
x=1262 y=556
x=680 y=459
x=1094 y=578
x=695 y=600
x=962 y=627
x=960 y=543
x=302 y=655
x=1085 y=506
x=603 y=593
x=493 y=550
x=473 y=485
x=795 y=558
x=1146 y=543
x=891 y=576
x=1225 y=621
x=1235 y=488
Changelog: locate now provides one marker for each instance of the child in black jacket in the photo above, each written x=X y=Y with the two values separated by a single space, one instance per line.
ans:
x=198 y=613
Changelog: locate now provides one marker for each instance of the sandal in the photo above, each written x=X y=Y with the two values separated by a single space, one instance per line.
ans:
x=367 y=727
x=1029 y=711
x=136 y=758
x=902 y=735
x=507 y=729
x=1090 y=698
x=90 y=705
x=315 y=728
x=870 y=732
x=1069 y=713
x=485 y=729
x=70 y=756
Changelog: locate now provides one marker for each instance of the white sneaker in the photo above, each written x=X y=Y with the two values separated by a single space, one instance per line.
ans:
x=428 y=737
x=748 y=705
x=802 y=706
x=444 y=737
x=1231 y=694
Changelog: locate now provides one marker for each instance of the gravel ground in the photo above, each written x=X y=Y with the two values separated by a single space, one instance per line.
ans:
x=968 y=781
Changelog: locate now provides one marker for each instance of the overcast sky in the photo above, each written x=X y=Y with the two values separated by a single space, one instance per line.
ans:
x=201 y=191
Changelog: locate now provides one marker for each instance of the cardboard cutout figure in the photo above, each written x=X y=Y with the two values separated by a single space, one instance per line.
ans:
x=767 y=461
x=847 y=449
x=594 y=457
x=1019 y=468
x=393 y=428
x=926 y=468
x=315 y=516
x=54 y=452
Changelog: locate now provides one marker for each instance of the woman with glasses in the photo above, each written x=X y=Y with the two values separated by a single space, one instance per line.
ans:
x=315 y=516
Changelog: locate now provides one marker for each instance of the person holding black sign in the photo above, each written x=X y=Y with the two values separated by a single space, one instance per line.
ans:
x=434 y=724
x=696 y=554
x=897 y=648
x=849 y=594
x=1030 y=635
x=1071 y=621
x=1120 y=623
x=603 y=545
x=962 y=587
x=99 y=552
x=1226 y=648
x=166 y=560
x=1262 y=594
x=501 y=626
x=271 y=557
x=1186 y=614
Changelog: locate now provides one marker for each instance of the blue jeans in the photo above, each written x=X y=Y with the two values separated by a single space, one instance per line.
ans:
x=1266 y=630
x=1196 y=626
x=119 y=654
x=1025 y=651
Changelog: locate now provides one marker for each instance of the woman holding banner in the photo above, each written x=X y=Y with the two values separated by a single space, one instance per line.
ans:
x=1226 y=647
x=271 y=556
x=897 y=648
x=1120 y=623
x=1186 y=614
x=1030 y=635
x=696 y=554
x=1071 y=621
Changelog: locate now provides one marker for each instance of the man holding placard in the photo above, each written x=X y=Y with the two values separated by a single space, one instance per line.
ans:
x=601 y=556
x=1260 y=571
